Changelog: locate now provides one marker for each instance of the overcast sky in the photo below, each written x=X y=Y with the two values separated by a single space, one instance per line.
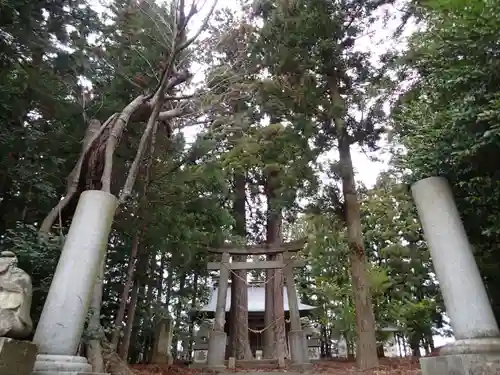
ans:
x=368 y=165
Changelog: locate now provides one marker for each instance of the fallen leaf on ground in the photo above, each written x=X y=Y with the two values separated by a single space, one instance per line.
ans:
x=406 y=366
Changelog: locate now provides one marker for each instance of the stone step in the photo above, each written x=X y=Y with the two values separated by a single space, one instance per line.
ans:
x=47 y=364
x=257 y=363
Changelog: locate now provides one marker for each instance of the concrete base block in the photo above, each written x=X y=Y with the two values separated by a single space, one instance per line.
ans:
x=17 y=357
x=216 y=350
x=483 y=345
x=300 y=367
x=215 y=368
x=47 y=364
x=298 y=348
x=461 y=364
x=162 y=359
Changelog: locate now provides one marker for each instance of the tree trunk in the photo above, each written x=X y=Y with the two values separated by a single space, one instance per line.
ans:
x=189 y=348
x=268 y=334
x=275 y=340
x=135 y=351
x=134 y=297
x=323 y=341
x=429 y=340
x=380 y=351
x=170 y=283
x=159 y=286
x=178 y=313
x=150 y=326
x=239 y=345
x=415 y=349
x=279 y=312
x=127 y=332
x=366 y=345
x=129 y=281
x=142 y=215
x=114 y=364
x=94 y=328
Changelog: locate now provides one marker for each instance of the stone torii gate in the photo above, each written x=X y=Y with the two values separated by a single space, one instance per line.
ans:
x=218 y=337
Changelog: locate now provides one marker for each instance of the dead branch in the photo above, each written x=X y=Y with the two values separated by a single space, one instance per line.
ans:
x=134 y=169
x=170 y=114
x=119 y=125
x=200 y=30
x=158 y=100
x=143 y=107
x=93 y=132
x=180 y=97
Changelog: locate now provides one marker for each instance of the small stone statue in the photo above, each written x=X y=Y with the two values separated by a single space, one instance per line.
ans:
x=15 y=298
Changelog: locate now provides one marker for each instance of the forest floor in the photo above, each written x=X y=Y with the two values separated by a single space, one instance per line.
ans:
x=388 y=366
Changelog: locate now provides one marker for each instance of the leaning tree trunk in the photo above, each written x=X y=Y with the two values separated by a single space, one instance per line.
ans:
x=366 y=344
x=239 y=345
x=100 y=143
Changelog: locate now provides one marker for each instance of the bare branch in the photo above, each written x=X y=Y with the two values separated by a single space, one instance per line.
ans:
x=134 y=169
x=170 y=114
x=146 y=61
x=181 y=97
x=124 y=76
x=93 y=132
x=204 y=24
x=118 y=126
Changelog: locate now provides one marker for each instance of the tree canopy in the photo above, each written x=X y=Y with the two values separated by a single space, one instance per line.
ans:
x=217 y=126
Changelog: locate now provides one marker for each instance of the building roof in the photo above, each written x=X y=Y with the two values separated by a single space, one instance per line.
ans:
x=256 y=300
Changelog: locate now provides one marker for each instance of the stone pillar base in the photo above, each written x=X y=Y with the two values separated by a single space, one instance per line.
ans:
x=298 y=348
x=300 y=368
x=484 y=345
x=461 y=364
x=162 y=359
x=17 y=357
x=47 y=364
x=216 y=350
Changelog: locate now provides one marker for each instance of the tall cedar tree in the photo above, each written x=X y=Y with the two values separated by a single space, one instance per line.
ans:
x=308 y=45
x=239 y=344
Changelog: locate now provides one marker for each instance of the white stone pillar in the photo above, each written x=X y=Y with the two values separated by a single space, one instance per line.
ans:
x=463 y=291
x=163 y=342
x=63 y=317
x=217 y=339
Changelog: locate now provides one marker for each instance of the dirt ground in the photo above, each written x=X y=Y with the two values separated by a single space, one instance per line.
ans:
x=332 y=367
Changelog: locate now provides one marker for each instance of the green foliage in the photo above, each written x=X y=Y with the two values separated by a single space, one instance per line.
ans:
x=404 y=291
x=46 y=50
x=267 y=100
x=448 y=121
x=38 y=257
